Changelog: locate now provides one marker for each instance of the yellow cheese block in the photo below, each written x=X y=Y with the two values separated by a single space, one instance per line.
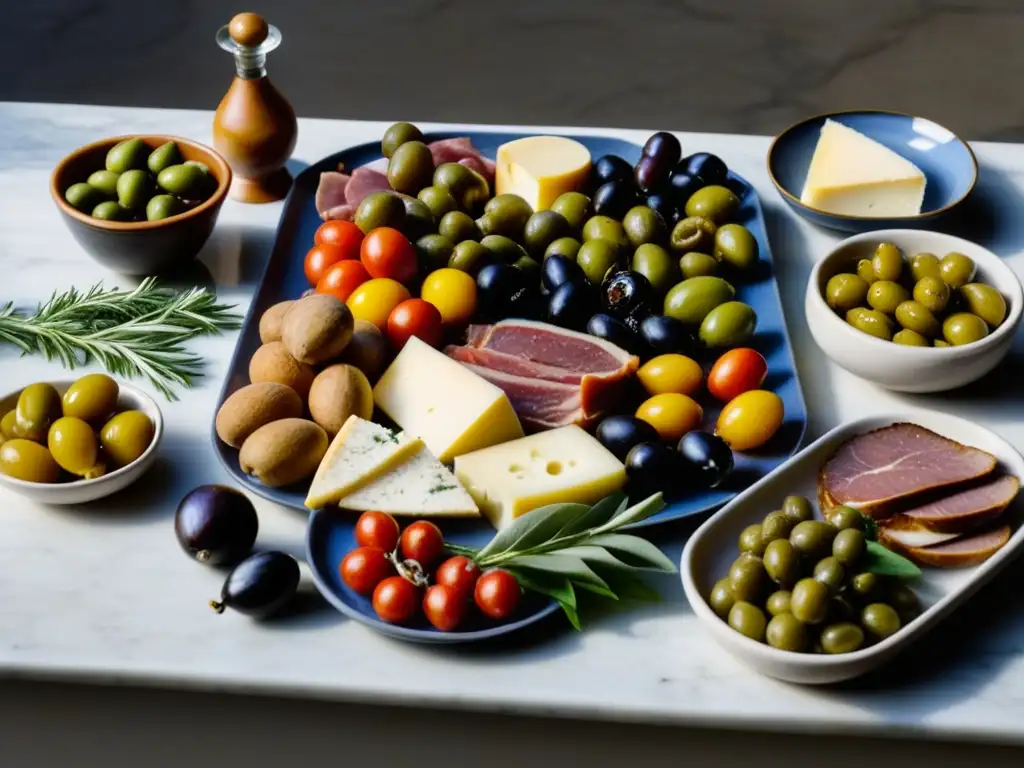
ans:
x=540 y=168
x=449 y=407
x=559 y=465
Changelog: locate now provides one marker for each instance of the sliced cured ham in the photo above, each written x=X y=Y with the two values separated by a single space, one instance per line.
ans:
x=462 y=151
x=551 y=345
x=901 y=532
x=539 y=404
x=962 y=551
x=330 y=192
x=967 y=509
x=880 y=471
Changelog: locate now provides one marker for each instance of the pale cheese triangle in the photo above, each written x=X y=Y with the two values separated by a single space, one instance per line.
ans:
x=420 y=487
x=359 y=453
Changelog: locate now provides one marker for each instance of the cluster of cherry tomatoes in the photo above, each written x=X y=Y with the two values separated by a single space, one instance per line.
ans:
x=376 y=275
x=394 y=566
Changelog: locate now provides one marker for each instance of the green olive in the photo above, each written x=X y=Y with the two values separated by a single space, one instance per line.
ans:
x=865 y=271
x=776 y=525
x=73 y=445
x=92 y=398
x=458 y=227
x=885 y=296
x=932 y=293
x=694 y=233
x=940 y=343
x=830 y=572
x=410 y=168
x=439 y=200
x=845 y=291
x=542 y=229
x=844 y=517
x=809 y=601
x=605 y=228
x=848 y=546
x=597 y=258
x=105 y=181
x=778 y=602
x=786 y=632
x=419 y=220
x=380 y=209
x=903 y=599
x=507 y=215
x=569 y=247
x=964 y=328
x=721 y=599
x=9 y=426
x=692 y=300
x=924 y=265
x=396 y=135
x=841 y=638
x=84 y=197
x=797 y=508
x=127 y=155
x=434 y=252
x=735 y=246
x=528 y=265
x=747 y=578
x=469 y=256
x=985 y=302
x=467 y=186
x=813 y=538
x=909 y=338
x=164 y=156
x=750 y=540
x=956 y=269
x=840 y=610
x=748 y=619
x=871 y=322
x=644 y=225
x=110 y=210
x=782 y=563
x=134 y=188
x=887 y=262
x=653 y=262
x=714 y=202
x=728 y=325
x=696 y=264
x=189 y=182
x=29 y=461
x=915 y=316
x=126 y=436
x=880 y=620
x=38 y=407
x=574 y=207
x=163 y=207
x=504 y=249
x=865 y=585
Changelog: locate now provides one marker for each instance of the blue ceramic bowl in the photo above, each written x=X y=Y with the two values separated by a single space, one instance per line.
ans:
x=945 y=159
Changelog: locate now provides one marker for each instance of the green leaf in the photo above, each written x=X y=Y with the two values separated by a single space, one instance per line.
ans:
x=627 y=585
x=556 y=563
x=885 y=562
x=535 y=527
x=597 y=590
x=558 y=587
x=652 y=505
x=591 y=555
x=634 y=551
x=572 y=616
x=597 y=515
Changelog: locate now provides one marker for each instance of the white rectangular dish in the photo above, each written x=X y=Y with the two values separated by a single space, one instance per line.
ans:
x=711 y=549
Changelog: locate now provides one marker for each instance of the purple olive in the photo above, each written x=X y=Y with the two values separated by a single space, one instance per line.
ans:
x=651 y=172
x=216 y=525
x=664 y=146
x=260 y=585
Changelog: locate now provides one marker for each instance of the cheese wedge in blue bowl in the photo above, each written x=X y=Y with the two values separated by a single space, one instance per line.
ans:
x=860 y=171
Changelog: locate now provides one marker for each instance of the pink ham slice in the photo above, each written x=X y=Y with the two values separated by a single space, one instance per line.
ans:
x=967 y=509
x=462 y=151
x=330 y=193
x=539 y=404
x=877 y=471
x=963 y=551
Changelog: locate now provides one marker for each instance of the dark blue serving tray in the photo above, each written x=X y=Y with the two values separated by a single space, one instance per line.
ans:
x=284 y=278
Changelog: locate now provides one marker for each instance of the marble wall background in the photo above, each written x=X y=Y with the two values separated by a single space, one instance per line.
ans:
x=749 y=66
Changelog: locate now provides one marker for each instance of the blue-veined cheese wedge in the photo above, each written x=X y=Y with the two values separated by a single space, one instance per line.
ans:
x=540 y=168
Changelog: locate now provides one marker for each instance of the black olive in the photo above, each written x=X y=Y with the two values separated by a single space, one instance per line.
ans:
x=708 y=167
x=614 y=198
x=651 y=173
x=620 y=433
x=682 y=186
x=664 y=335
x=615 y=331
x=260 y=585
x=560 y=269
x=666 y=206
x=609 y=168
x=216 y=525
x=707 y=457
x=652 y=467
x=628 y=294
x=571 y=305
x=505 y=291
x=664 y=146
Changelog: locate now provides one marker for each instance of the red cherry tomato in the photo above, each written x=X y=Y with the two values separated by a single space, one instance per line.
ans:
x=736 y=372
x=319 y=259
x=422 y=541
x=414 y=317
x=497 y=594
x=386 y=252
x=344 y=234
x=395 y=599
x=364 y=568
x=377 y=529
x=444 y=607
x=460 y=573
x=342 y=278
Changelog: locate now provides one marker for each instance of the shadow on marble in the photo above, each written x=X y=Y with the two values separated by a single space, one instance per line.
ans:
x=237 y=256
x=140 y=503
x=307 y=611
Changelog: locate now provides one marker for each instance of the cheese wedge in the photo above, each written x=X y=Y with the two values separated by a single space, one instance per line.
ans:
x=449 y=407
x=540 y=168
x=559 y=465
x=361 y=452
x=853 y=175
x=420 y=487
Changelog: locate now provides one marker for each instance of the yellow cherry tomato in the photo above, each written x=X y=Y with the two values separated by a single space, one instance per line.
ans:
x=748 y=421
x=672 y=414
x=374 y=300
x=671 y=373
x=453 y=292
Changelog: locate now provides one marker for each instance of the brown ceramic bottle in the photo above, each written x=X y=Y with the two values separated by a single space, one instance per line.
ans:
x=254 y=127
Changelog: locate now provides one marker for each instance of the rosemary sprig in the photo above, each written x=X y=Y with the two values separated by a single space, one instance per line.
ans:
x=140 y=332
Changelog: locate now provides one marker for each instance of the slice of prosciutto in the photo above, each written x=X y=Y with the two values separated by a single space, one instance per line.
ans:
x=880 y=471
x=969 y=508
x=962 y=551
x=539 y=404
x=462 y=151
x=330 y=194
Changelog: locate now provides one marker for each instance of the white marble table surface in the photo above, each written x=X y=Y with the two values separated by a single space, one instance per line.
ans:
x=102 y=592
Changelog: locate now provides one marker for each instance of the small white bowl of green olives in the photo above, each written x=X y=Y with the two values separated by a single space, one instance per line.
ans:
x=913 y=310
x=74 y=441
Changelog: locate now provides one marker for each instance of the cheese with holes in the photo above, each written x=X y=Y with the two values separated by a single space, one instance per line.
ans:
x=540 y=168
x=853 y=175
x=359 y=453
x=422 y=486
x=449 y=407
x=560 y=465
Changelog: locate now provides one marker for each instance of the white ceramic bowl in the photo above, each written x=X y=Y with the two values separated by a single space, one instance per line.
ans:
x=81 y=491
x=713 y=547
x=896 y=366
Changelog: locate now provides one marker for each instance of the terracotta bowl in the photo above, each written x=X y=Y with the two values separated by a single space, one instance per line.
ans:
x=140 y=247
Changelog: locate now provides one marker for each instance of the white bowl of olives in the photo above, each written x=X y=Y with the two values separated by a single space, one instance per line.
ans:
x=913 y=310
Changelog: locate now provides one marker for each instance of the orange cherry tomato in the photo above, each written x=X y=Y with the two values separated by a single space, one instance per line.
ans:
x=344 y=234
x=414 y=317
x=736 y=372
x=341 y=279
x=320 y=258
x=386 y=252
